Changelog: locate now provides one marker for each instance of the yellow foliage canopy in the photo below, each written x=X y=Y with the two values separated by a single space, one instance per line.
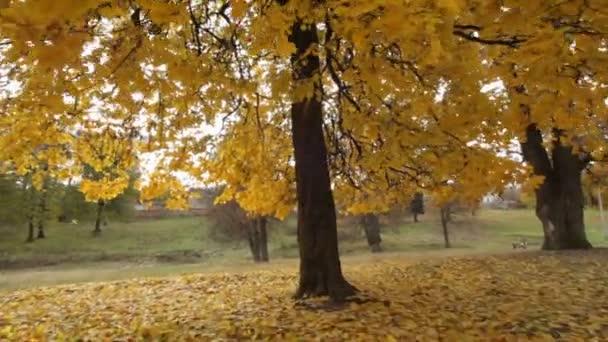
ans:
x=403 y=88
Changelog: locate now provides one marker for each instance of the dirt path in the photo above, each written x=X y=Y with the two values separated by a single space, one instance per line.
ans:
x=108 y=271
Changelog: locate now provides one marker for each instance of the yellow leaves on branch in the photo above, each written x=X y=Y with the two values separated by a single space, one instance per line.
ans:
x=526 y=297
x=417 y=83
x=167 y=186
x=103 y=189
x=161 y=11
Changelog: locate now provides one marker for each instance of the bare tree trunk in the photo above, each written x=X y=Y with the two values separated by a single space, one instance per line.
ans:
x=263 y=243
x=28 y=196
x=42 y=214
x=100 y=206
x=415 y=217
x=258 y=239
x=320 y=269
x=254 y=240
x=41 y=234
x=371 y=226
x=445 y=219
x=559 y=199
x=30 y=228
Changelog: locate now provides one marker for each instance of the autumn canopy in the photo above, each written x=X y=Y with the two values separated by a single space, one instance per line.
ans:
x=353 y=105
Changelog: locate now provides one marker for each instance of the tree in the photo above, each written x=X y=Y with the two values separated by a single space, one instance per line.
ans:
x=555 y=110
x=232 y=221
x=366 y=198
x=320 y=270
x=106 y=157
x=417 y=205
x=559 y=199
x=446 y=217
x=258 y=239
x=371 y=226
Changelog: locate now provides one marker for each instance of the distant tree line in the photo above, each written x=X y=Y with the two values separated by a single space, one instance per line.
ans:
x=21 y=204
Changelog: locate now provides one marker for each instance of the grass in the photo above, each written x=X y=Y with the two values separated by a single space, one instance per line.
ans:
x=71 y=254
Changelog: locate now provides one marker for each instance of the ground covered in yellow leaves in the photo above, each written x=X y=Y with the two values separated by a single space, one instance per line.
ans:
x=529 y=296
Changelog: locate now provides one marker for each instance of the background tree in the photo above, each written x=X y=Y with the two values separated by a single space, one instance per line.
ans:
x=417 y=205
x=106 y=158
x=371 y=226
x=232 y=221
x=446 y=217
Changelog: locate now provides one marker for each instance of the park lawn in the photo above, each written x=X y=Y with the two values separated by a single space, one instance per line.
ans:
x=181 y=245
x=127 y=239
x=518 y=296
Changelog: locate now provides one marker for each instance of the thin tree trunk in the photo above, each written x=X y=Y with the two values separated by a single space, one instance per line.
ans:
x=100 y=207
x=415 y=217
x=559 y=199
x=28 y=196
x=30 y=229
x=41 y=234
x=320 y=269
x=371 y=225
x=263 y=242
x=445 y=219
x=42 y=214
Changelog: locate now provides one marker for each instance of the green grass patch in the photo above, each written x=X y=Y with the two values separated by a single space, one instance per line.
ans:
x=70 y=253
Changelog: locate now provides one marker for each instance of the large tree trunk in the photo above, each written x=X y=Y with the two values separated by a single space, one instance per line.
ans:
x=559 y=199
x=254 y=241
x=445 y=219
x=371 y=225
x=258 y=239
x=100 y=206
x=320 y=270
x=263 y=243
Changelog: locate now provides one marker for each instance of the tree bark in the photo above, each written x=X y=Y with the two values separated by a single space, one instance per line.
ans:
x=415 y=217
x=258 y=239
x=445 y=219
x=320 y=269
x=371 y=225
x=29 y=198
x=263 y=243
x=254 y=241
x=559 y=199
x=100 y=206
x=42 y=214
x=41 y=234
x=30 y=229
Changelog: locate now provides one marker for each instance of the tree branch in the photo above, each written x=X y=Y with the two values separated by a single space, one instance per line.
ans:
x=470 y=33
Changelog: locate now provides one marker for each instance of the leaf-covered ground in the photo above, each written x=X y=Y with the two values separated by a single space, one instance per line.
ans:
x=531 y=296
